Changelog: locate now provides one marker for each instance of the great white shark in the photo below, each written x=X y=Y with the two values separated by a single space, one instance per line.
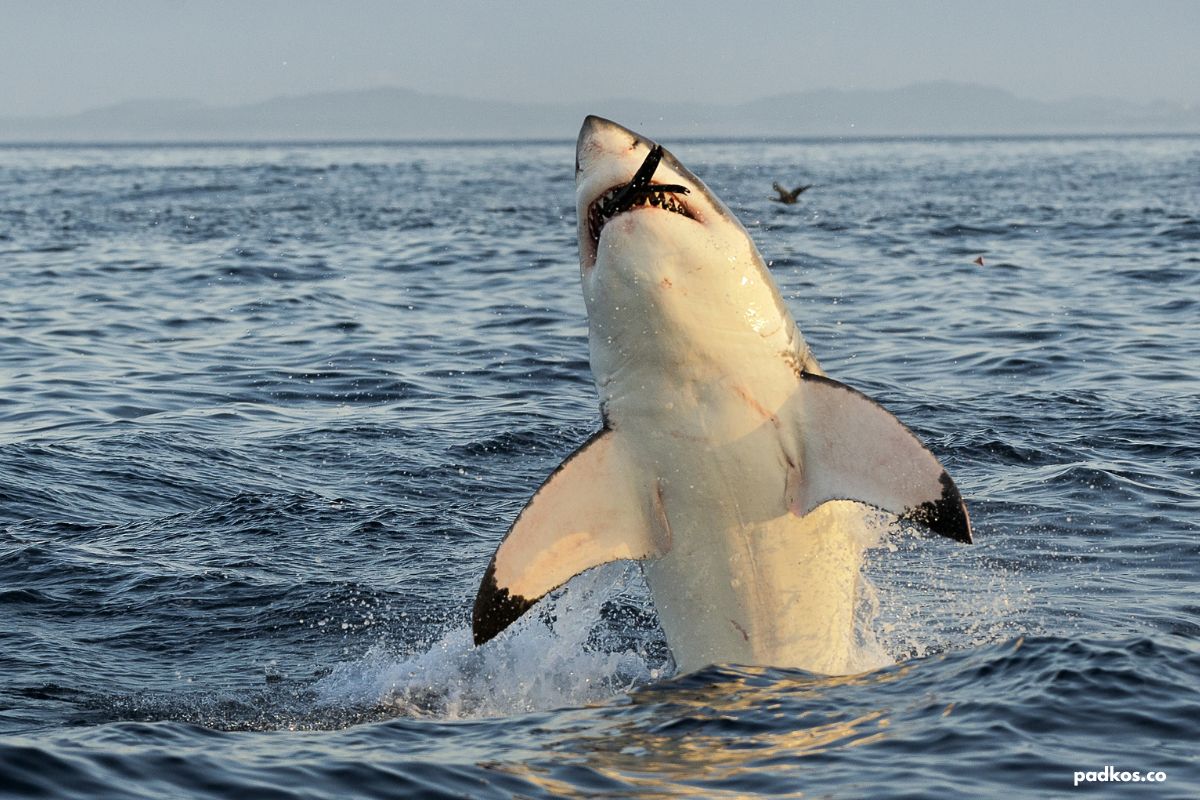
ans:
x=724 y=447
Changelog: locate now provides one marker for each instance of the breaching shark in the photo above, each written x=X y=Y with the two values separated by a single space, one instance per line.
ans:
x=724 y=446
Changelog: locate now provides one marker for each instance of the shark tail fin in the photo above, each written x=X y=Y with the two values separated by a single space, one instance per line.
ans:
x=588 y=512
x=854 y=449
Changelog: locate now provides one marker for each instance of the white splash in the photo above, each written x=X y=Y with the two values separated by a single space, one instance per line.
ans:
x=908 y=605
x=544 y=661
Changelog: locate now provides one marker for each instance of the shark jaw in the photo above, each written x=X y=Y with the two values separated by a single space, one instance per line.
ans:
x=641 y=191
x=665 y=197
x=726 y=458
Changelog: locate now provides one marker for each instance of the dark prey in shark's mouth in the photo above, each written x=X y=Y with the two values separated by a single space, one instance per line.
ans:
x=638 y=192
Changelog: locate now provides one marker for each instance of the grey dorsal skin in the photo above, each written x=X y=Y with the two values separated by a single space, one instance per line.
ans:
x=729 y=464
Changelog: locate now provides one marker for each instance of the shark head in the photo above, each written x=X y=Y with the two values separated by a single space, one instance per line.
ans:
x=669 y=273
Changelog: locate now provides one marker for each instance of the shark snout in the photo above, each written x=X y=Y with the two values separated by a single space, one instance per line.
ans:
x=601 y=140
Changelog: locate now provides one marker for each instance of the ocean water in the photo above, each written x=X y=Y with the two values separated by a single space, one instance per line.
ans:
x=265 y=412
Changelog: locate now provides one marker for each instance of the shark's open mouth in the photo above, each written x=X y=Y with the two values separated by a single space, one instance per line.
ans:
x=638 y=192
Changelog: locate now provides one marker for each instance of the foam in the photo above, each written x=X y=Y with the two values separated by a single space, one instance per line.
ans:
x=916 y=596
x=548 y=659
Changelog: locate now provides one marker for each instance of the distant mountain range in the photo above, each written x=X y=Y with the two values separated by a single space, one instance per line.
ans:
x=403 y=114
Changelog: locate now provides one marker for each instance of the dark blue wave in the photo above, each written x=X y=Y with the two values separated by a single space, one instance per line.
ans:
x=265 y=413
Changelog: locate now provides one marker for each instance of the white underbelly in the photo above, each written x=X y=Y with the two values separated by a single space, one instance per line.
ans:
x=738 y=587
x=745 y=581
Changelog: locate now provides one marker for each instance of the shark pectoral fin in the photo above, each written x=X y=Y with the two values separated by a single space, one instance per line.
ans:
x=854 y=449
x=588 y=512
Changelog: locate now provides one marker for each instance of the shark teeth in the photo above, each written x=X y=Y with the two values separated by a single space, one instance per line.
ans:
x=599 y=213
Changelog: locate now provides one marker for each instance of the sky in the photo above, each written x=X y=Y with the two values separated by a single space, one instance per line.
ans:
x=61 y=57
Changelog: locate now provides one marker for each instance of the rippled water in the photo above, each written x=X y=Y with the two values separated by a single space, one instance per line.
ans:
x=266 y=411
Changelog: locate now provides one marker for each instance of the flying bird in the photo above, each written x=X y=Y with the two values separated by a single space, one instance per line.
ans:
x=789 y=197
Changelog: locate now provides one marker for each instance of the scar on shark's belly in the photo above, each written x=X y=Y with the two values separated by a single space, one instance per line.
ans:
x=756 y=406
x=660 y=512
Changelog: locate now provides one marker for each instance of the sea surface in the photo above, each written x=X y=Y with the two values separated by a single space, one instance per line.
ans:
x=266 y=411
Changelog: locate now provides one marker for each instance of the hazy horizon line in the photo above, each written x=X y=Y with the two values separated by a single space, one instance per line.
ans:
x=541 y=104
x=939 y=109
x=120 y=144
